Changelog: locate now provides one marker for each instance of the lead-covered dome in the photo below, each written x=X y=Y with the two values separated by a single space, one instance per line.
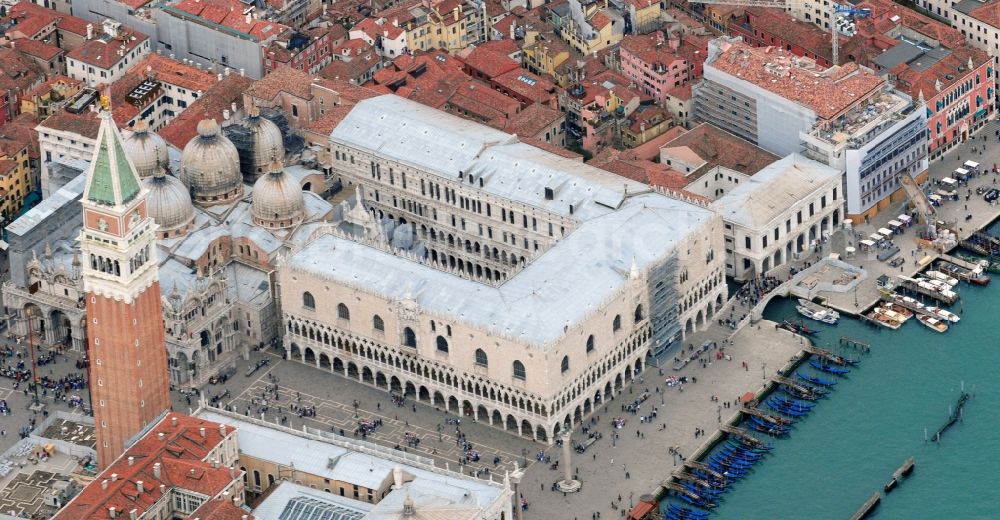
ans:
x=277 y=199
x=169 y=204
x=210 y=166
x=147 y=150
x=266 y=142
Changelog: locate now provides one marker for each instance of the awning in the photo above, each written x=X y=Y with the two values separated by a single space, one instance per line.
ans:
x=885 y=232
x=747 y=397
x=895 y=223
x=640 y=510
x=971 y=164
x=867 y=243
x=876 y=237
x=961 y=172
x=904 y=218
x=949 y=180
x=980 y=113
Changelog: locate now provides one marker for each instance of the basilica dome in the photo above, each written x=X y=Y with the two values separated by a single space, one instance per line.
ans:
x=277 y=199
x=266 y=140
x=147 y=150
x=210 y=166
x=169 y=204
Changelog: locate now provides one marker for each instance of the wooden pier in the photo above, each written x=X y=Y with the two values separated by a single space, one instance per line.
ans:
x=850 y=342
x=693 y=464
x=867 y=508
x=673 y=486
x=982 y=243
x=773 y=419
x=908 y=305
x=793 y=384
x=912 y=286
x=825 y=354
x=680 y=475
x=965 y=264
x=956 y=414
x=898 y=475
x=741 y=433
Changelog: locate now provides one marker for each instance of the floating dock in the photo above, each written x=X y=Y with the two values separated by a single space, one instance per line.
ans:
x=860 y=345
x=680 y=475
x=911 y=285
x=773 y=419
x=903 y=471
x=825 y=354
x=701 y=466
x=982 y=243
x=867 y=508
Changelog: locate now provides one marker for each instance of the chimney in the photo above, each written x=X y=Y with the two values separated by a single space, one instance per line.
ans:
x=163 y=488
x=133 y=514
x=112 y=512
x=233 y=107
x=220 y=76
x=249 y=19
x=222 y=430
x=131 y=461
x=226 y=71
x=160 y=436
x=90 y=31
x=114 y=477
x=157 y=471
x=173 y=421
x=139 y=487
x=232 y=471
x=225 y=114
x=104 y=484
x=215 y=463
x=172 y=56
x=202 y=432
x=12 y=42
x=242 y=73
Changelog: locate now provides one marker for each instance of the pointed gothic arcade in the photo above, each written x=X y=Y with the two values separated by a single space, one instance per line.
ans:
x=128 y=370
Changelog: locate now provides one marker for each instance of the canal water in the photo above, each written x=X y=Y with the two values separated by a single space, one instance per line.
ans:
x=875 y=419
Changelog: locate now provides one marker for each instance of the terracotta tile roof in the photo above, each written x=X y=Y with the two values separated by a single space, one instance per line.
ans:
x=506 y=46
x=354 y=69
x=122 y=108
x=649 y=49
x=282 y=79
x=6 y=166
x=828 y=93
x=180 y=453
x=533 y=120
x=794 y=31
x=599 y=20
x=73 y=24
x=350 y=93
x=648 y=115
x=85 y=123
x=166 y=70
x=381 y=28
x=988 y=13
x=488 y=62
x=29 y=19
x=219 y=510
x=229 y=13
x=649 y=172
x=681 y=92
x=689 y=22
x=650 y=150
x=18 y=73
x=328 y=121
x=558 y=150
x=45 y=87
x=530 y=86
x=954 y=66
x=503 y=26
x=478 y=98
x=211 y=104
x=23 y=130
x=720 y=148
x=38 y=49
x=495 y=8
x=887 y=15
x=135 y=4
x=104 y=53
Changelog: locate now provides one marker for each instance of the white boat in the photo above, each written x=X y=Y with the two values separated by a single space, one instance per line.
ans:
x=943 y=314
x=883 y=317
x=942 y=277
x=906 y=301
x=817 y=312
x=933 y=323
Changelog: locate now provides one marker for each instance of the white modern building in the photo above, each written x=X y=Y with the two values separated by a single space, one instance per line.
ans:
x=492 y=278
x=847 y=117
x=778 y=213
x=106 y=57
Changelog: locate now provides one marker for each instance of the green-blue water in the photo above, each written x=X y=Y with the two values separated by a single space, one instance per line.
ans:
x=853 y=440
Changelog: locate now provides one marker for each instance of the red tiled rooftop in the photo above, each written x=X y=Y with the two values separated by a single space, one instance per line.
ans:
x=988 y=13
x=104 y=54
x=38 y=49
x=135 y=4
x=551 y=148
x=229 y=13
x=166 y=70
x=85 y=123
x=282 y=79
x=827 y=93
x=649 y=49
x=534 y=119
x=180 y=452
x=219 y=510
x=30 y=19
x=73 y=24
x=528 y=85
x=18 y=73
x=720 y=148
x=887 y=15
x=374 y=29
x=489 y=63
x=216 y=99
x=954 y=66
x=478 y=98
x=794 y=31
x=328 y=121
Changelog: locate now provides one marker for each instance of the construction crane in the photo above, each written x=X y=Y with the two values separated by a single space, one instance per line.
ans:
x=787 y=4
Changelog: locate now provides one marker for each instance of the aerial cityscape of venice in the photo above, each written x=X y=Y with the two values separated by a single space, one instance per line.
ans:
x=498 y=259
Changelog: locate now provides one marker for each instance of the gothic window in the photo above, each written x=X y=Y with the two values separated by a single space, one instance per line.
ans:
x=565 y=365
x=409 y=338
x=481 y=358
x=519 y=372
x=590 y=343
x=342 y=312
x=638 y=313
x=442 y=344
x=378 y=324
x=308 y=301
x=616 y=325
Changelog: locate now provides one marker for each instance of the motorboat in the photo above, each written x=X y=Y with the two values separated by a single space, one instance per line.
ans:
x=906 y=301
x=934 y=324
x=885 y=317
x=941 y=277
x=943 y=314
x=817 y=312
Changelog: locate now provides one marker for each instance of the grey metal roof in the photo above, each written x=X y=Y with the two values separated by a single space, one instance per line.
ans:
x=967 y=6
x=66 y=195
x=773 y=190
x=560 y=288
x=464 y=151
x=917 y=57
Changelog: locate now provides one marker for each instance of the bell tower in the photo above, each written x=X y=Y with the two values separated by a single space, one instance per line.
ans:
x=128 y=371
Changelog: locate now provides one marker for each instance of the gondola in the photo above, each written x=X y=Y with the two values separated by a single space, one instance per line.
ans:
x=816 y=380
x=739 y=452
x=700 y=502
x=799 y=394
x=687 y=512
x=788 y=411
x=794 y=403
x=761 y=450
x=787 y=404
x=770 y=429
x=828 y=368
